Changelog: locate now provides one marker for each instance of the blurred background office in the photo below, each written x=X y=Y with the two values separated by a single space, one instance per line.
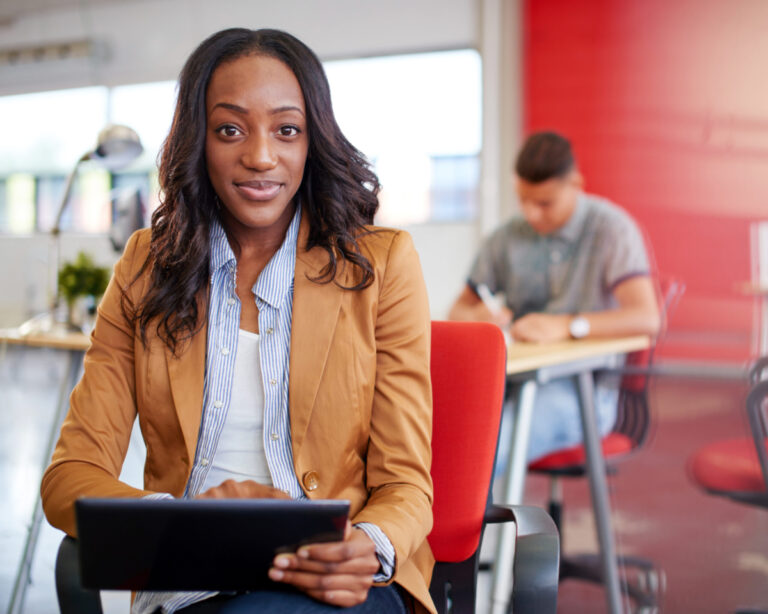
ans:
x=666 y=104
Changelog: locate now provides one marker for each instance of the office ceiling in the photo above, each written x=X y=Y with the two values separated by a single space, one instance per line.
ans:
x=10 y=10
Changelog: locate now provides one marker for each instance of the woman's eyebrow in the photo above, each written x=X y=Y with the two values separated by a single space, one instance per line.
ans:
x=244 y=111
x=231 y=107
x=286 y=108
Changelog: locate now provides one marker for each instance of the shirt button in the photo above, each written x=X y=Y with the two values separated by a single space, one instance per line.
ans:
x=273 y=381
x=230 y=301
x=218 y=403
x=204 y=462
x=225 y=351
x=274 y=436
x=270 y=331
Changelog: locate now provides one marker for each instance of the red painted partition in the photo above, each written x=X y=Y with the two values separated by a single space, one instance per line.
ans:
x=666 y=103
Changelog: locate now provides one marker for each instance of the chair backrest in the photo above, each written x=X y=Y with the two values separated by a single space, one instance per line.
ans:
x=757 y=406
x=468 y=374
x=633 y=413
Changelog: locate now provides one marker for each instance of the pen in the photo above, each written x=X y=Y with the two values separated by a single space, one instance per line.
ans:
x=494 y=305
x=489 y=300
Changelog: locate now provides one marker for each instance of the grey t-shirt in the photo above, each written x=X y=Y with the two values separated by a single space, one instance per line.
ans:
x=571 y=270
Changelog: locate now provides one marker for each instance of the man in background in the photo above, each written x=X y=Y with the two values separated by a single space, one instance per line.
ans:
x=570 y=265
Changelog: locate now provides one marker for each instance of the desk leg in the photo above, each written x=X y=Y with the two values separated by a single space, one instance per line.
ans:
x=514 y=484
x=599 y=490
x=74 y=365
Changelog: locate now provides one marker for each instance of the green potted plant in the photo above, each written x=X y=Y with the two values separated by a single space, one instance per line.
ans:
x=81 y=279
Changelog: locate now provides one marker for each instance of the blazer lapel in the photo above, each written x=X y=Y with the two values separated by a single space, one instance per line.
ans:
x=315 y=313
x=187 y=377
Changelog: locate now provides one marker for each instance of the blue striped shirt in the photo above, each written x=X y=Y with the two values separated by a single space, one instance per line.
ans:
x=274 y=298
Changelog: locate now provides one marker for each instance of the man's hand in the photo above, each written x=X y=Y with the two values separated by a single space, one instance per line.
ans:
x=469 y=307
x=247 y=489
x=339 y=573
x=542 y=328
x=501 y=317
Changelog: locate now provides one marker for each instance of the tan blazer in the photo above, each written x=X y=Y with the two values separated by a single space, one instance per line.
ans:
x=360 y=400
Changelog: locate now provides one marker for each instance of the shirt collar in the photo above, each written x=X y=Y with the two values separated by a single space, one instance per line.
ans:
x=277 y=277
x=571 y=230
x=276 y=280
x=221 y=252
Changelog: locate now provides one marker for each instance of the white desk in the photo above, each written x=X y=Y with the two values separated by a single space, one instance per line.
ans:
x=530 y=365
x=75 y=345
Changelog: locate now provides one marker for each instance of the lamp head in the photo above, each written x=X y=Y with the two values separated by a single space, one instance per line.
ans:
x=116 y=147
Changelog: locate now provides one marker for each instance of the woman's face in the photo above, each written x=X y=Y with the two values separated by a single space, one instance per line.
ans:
x=256 y=143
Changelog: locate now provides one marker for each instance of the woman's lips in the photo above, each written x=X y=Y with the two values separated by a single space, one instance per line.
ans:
x=259 y=190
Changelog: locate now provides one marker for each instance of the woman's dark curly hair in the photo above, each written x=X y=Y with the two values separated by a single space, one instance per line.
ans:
x=338 y=191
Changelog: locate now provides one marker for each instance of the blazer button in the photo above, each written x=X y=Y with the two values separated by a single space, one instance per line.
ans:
x=310 y=480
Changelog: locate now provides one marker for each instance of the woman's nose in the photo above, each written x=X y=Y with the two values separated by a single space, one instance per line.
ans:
x=259 y=153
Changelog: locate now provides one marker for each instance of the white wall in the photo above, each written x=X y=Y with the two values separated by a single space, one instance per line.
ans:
x=26 y=278
x=446 y=252
x=148 y=40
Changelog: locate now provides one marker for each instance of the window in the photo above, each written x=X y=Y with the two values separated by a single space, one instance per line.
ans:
x=20 y=202
x=416 y=117
x=454 y=184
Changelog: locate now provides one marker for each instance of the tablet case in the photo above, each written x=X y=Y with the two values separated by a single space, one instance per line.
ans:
x=196 y=544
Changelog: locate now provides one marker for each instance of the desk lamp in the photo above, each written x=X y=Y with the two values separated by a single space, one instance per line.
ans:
x=116 y=147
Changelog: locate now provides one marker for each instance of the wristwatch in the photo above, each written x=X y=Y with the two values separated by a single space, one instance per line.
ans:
x=579 y=327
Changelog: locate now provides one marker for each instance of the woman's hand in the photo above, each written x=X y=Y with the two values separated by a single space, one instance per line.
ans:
x=247 y=489
x=339 y=573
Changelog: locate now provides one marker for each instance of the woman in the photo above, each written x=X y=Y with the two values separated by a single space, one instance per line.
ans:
x=271 y=342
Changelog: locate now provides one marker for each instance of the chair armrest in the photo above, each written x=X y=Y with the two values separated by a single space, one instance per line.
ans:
x=757 y=368
x=73 y=598
x=536 y=568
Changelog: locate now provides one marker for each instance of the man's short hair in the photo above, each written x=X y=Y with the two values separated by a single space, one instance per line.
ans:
x=544 y=156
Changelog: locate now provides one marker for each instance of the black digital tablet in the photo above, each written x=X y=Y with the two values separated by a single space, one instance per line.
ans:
x=196 y=544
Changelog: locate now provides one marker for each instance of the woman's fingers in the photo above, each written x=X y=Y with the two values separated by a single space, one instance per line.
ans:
x=246 y=489
x=342 y=598
x=338 y=589
x=340 y=573
x=362 y=565
x=356 y=546
x=323 y=582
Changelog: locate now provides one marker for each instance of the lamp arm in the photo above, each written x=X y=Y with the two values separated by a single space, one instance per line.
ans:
x=55 y=261
x=67 y=191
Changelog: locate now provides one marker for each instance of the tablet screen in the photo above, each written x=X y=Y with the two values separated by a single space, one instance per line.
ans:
x=196 y=544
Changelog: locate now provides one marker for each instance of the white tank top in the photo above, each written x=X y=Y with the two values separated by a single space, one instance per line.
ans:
x=240 y=450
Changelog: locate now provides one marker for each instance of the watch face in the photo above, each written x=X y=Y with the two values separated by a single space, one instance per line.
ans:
x=579 y=328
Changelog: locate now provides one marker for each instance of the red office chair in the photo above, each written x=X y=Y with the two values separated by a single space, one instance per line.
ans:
x=738 y=468
x=468 y=377
x=629 y=433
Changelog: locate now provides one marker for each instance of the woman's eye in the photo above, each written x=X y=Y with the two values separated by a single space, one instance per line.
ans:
x=228 y=130
x=288 y=130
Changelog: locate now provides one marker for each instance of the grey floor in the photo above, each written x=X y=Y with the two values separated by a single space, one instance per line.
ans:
x=714 y=552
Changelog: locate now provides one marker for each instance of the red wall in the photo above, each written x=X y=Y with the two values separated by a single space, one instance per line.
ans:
x=666 y=102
